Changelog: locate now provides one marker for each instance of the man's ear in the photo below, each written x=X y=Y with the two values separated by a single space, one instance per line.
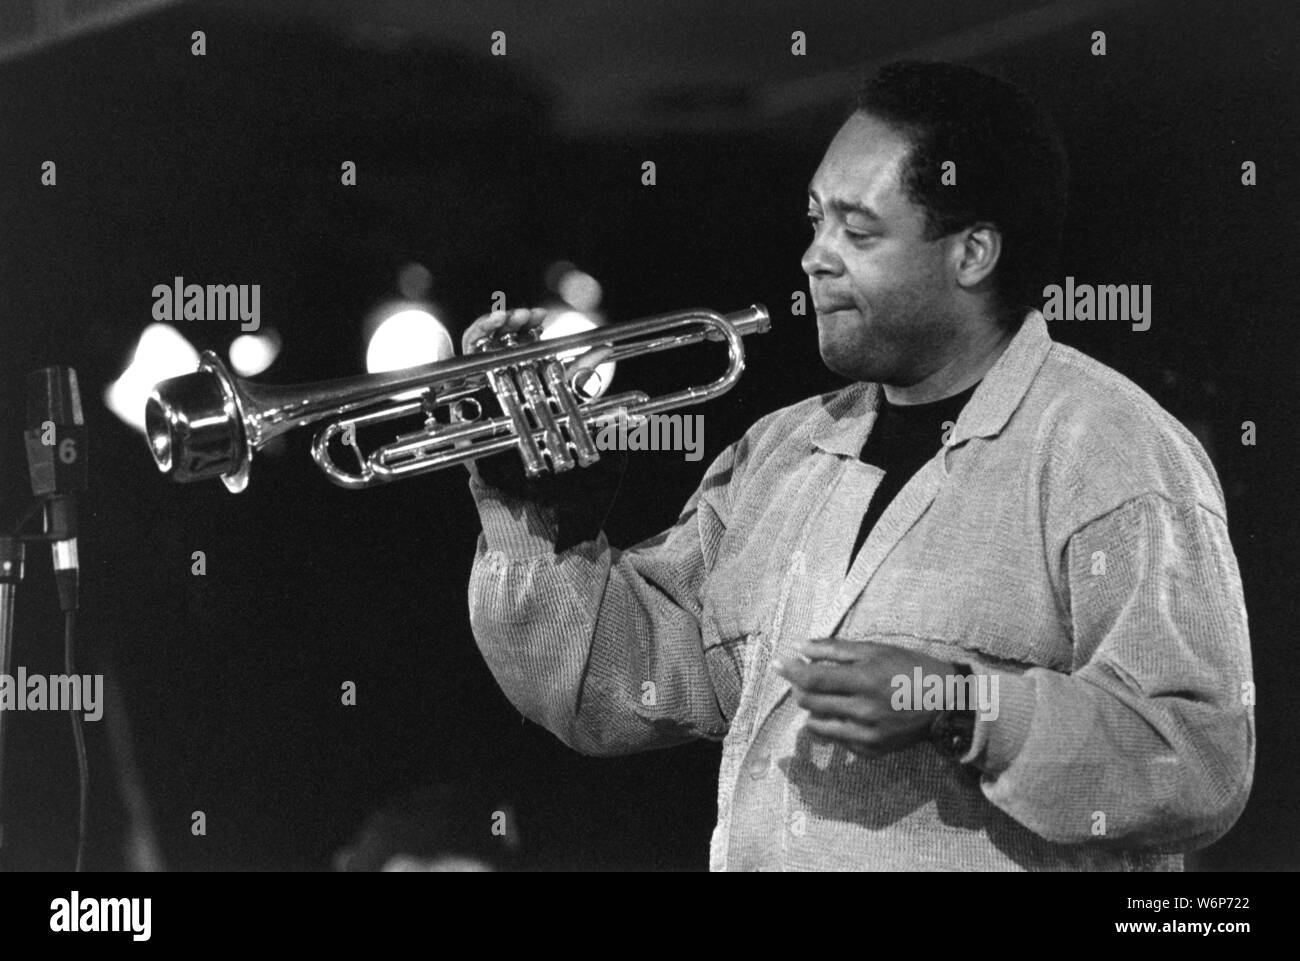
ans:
x=975 y=253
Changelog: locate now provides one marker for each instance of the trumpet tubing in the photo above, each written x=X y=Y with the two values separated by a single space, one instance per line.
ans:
x=208 y=423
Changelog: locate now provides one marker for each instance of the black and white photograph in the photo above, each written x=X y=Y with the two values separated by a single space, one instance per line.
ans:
x=648 y=437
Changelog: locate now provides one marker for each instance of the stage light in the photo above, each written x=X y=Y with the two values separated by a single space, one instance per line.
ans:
x=566 y=322
x=407 y=338
x=579 y=289
x=415 y=281
x=161 y=353
x=250 y=354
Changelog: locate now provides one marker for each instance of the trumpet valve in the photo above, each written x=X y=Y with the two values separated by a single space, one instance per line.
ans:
x=584 y=447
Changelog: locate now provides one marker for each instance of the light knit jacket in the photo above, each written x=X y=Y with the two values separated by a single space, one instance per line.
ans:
x=1070 y=538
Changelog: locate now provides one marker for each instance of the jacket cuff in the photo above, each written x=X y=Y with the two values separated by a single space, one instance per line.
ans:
x=997 y=742
x=515 y=527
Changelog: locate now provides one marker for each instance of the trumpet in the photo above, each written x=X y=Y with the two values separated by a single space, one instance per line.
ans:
x=208 y=423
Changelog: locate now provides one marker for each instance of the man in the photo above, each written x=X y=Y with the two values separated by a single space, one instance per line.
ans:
x=980 y=501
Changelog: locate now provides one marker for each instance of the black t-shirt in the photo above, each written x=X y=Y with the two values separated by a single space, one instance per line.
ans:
x=902 y=440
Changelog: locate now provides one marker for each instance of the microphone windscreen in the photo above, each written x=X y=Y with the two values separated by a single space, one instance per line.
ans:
x=56 y=434
x=53 y=395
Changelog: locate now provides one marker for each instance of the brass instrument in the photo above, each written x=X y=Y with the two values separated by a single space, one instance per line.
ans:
x=208 y=423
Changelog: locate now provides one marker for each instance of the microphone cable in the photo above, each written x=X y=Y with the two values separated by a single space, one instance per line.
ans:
x=79 y=739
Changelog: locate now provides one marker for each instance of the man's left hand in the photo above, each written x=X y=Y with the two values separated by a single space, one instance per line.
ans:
x=847 y=689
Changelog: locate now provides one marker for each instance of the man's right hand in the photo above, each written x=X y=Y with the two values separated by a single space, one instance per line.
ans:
x=502 y=322
x=524 y=322
x=582 y=496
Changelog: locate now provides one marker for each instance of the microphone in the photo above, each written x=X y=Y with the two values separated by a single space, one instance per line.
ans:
x=56 y=461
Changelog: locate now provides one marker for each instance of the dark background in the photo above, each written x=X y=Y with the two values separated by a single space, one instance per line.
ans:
x=225 y=169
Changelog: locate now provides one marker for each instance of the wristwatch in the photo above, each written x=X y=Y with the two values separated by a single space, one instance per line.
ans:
x=952 y=732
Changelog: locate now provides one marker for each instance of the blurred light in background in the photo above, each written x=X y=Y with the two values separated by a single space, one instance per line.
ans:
x=415 y=281
x=250 y=354
x=407 y=337
x=161 y=353
x=565 y=322
x=580 y=290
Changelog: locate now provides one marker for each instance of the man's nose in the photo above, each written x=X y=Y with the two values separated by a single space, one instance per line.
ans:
x=818 y=260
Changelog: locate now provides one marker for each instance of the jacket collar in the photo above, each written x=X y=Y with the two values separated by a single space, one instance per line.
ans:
x=847 y=418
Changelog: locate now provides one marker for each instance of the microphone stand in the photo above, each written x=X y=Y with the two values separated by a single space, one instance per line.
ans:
x=60 y=520
x=60 y=515
x=12 y=555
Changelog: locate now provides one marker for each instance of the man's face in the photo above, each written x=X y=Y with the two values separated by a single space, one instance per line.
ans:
x=884 y=295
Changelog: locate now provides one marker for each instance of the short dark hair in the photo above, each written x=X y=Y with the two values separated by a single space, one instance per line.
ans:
x=1011 y=167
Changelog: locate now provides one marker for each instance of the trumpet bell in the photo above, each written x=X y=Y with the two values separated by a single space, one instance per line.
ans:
x=195 y=426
